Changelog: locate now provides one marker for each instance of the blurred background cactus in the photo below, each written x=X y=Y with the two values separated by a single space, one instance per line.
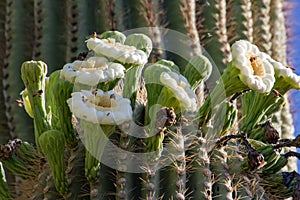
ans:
x=249 y=158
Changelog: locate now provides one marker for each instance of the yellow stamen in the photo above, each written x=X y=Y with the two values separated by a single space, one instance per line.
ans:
x=257 y=65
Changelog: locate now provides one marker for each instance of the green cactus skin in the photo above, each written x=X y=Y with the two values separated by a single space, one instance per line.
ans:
x=38 y=20
x=18 y=48
x=59 y=91
x=261 y=27
x=33 y=76
x=132 y=15
x=49 y=140
x=4 y=193
x=72 y=28
x=50 y=191
x=53 y=42
x=199 y=184
x=212 y=30
x=75 y=172
x=173 y=177
x=239 y=25
x=4 y=125
x=240 y=182
x=221 y=187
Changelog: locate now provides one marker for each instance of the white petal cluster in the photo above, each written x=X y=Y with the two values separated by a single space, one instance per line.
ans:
x=115 y=50
x=92 y=71
x=285 y=72
x=255 y=70
x=180 y=88
x=100 y=107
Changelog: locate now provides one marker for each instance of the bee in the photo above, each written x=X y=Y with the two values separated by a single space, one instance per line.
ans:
x=277 y=94
x=38 y=93
x=290 y=67
x=20 y=102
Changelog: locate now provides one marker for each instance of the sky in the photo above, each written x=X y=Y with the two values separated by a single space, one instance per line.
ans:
x=293 y=43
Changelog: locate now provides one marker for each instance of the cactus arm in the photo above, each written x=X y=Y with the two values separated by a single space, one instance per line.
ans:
x=72 y=28
x=75 y=173
x=5 y=132
x=33 y=75
x=261 y=27
x=53 y=42
x=49 y=140
x=240 y=22
x=212 y=30
x=37 y=29
x=221 y=188
x=132 y=15
x=18 y=48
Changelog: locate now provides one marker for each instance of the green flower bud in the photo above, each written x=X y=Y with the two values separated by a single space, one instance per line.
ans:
x=140 y=41
x=118 y=36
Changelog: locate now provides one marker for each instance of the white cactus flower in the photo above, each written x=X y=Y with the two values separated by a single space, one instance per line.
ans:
x=255 y=70
x=100 y=107
x=115 y=50
x=285 y=72
x=92 y=71
x=180 y=88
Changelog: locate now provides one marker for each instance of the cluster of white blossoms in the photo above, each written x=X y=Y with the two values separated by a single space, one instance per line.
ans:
x=180 y=88
x=258 y=70
x=100 y=107
x=114 y=50
x=92 y=71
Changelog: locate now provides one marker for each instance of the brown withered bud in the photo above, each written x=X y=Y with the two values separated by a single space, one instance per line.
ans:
x=271 y=134
x=255 y=159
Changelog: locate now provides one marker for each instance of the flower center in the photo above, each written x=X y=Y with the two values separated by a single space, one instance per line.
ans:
x=103 y=101
x=257 y=65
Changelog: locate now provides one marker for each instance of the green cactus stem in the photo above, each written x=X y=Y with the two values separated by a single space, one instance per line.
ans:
x=75 y=172
x=18 y=49
x=50 y=140
x=239 y=25
x=50 y=191
x=132 y=15
x=4 y=193
x=72 y=24
x=212 y=30
x=261 y=25
x=33 y=76
x=38 y=21
x=278 y=30
x=57 y=92
x=53 y=43
x=173 y=177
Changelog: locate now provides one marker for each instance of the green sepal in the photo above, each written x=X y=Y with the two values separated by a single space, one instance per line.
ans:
x=169 y=64
x=52 y=144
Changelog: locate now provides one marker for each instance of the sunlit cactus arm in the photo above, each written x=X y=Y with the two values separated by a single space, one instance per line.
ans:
x=212 y=30
x=278 y=31
x=239 y=25
x=261 y=24
x=49 y=140
x=4 y=193
x=33 y=76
